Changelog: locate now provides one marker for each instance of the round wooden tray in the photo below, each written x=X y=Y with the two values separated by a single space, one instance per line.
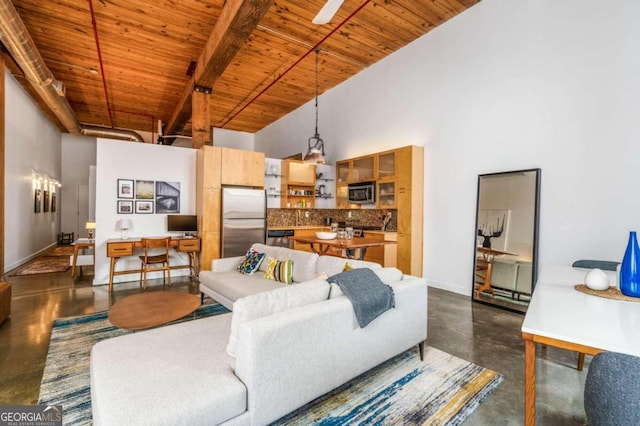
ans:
x=611 y=293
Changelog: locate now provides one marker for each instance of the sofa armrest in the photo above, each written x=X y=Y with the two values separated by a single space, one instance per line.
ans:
x=226 y=263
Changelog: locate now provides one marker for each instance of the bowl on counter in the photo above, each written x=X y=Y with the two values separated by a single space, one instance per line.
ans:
x=326 y=235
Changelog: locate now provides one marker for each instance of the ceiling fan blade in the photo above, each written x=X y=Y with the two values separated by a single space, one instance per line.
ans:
x=328 y=10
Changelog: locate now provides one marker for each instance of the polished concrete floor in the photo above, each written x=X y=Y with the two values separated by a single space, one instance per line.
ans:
x=482 y=334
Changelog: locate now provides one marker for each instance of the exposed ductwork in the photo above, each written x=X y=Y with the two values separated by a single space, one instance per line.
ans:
x=16 y=39
x=105 y=132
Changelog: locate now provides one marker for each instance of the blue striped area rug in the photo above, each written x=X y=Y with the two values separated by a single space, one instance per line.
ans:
x=66 y=379
x=442 y=390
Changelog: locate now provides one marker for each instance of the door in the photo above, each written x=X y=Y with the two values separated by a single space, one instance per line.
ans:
x=82 y=206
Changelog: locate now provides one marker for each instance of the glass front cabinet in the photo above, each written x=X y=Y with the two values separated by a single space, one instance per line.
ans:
x=386 y=179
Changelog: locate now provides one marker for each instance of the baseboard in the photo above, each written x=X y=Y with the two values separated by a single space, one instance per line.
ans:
x=464 y=290
x=14 y=265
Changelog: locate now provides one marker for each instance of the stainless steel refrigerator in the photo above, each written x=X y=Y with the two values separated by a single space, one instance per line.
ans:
x=244 y=219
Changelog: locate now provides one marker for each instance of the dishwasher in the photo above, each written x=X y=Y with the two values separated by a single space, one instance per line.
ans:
x=279 y=237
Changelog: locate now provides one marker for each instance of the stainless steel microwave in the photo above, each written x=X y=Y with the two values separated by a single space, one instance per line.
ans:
x=362 y=193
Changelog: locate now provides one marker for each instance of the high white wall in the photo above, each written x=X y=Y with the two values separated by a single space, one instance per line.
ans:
x=78 y=155
x=126 y=160
x=507 y=85
x=32 y=146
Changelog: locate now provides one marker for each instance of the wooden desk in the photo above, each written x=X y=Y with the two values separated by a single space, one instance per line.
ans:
x=488 y=255
x=350 y=246
x=81 y=244
x=561 y=316
x=118 y=248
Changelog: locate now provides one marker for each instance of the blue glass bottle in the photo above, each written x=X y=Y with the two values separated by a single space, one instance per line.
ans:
x=630 y=268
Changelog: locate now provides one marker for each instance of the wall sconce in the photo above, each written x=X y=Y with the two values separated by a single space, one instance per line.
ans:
x=91 y=227
x=124 y=225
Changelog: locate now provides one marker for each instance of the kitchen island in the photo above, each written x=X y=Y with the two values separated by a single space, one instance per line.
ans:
x=352 y=248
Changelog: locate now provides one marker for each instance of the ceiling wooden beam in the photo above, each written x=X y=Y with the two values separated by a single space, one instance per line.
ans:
x=237 y=21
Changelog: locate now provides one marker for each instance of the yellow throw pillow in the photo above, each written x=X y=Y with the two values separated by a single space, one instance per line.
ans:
x=347 y=267
x=280 y=270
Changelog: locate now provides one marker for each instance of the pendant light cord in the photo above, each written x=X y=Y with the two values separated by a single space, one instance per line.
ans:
x=317 y=54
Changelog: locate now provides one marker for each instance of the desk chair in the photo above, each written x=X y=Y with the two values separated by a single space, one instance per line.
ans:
x=611 y=390
x=151 y=261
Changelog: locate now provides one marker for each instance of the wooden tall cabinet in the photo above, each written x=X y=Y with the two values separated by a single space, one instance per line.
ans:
x=410 y=208
x=215 y=167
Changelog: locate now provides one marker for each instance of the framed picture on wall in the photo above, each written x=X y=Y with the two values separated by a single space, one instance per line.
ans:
x=144 y=190
x=125 y=207
x=37 y=200
x=167 y=197
x=144 y=207
x=125 y=188
x=45 y=204
x=53 y=202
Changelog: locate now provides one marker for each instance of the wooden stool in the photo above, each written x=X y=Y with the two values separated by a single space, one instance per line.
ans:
x=5 y=301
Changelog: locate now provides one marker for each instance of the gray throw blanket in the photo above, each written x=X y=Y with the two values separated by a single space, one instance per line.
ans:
x=369 y=296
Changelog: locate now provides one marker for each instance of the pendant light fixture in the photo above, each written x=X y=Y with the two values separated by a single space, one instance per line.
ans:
x=315 y=152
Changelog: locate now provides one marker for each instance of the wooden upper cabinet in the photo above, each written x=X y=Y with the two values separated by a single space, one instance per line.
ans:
x=342 y=171
x=386 y=165
x=245 y=168
x=298 y=184
x=363 y=169
x=299 y=173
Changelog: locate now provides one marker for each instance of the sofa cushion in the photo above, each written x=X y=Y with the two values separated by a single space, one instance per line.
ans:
x=334 y=265
x=266 y=303
x=178 y=374
x=251 y=262
x=304 y=263
x=233 y=285
x=280 y=270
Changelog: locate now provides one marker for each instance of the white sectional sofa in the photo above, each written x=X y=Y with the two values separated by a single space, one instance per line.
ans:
x=225 y=284
x=291 y=345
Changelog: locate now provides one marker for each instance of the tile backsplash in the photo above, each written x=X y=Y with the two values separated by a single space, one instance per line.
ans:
x=355 y=217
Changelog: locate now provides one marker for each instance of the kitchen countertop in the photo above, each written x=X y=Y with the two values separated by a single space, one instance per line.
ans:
x=279 y=228
x=323 y=227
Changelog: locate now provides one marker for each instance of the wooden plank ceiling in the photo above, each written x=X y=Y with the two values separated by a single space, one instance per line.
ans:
x=147 y=46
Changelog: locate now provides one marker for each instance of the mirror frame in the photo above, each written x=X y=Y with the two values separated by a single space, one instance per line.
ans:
x=536 y=226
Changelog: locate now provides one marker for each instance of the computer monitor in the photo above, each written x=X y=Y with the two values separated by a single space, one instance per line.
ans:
x=185 y=223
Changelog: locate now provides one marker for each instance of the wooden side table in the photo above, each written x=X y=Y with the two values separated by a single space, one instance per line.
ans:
x=82 y=260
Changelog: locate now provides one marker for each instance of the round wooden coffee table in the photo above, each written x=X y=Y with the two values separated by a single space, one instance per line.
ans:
x=146 y=310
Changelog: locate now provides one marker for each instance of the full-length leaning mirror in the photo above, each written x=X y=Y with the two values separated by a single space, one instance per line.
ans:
x=506 y=240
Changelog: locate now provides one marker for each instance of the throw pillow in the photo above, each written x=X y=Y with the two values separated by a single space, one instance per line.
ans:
x=251 y=262
x=280 y=270
x=347 y=267
x=322 y=276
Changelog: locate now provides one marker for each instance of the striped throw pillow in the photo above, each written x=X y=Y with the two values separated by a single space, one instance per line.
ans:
x=280 y=270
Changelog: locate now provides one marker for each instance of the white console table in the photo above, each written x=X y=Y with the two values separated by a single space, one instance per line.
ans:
x=561 y=316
